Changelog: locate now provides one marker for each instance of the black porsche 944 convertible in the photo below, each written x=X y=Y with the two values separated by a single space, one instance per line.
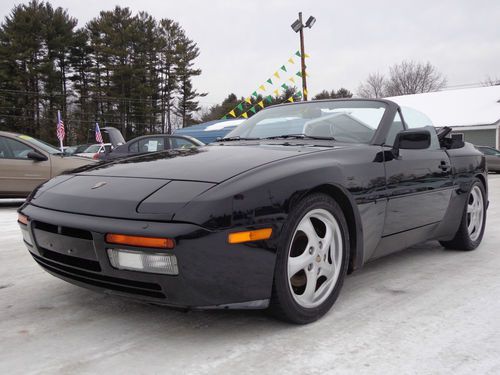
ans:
x=274 y=215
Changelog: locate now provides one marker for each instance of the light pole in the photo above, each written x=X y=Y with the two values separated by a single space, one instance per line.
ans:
x=298 y=27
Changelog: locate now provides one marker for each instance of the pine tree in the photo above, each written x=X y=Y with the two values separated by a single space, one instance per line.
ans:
x=123 y=70
x=187 y=104
x=169 y=33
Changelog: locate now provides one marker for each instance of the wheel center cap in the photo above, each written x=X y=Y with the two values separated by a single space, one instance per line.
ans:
x=318 y=258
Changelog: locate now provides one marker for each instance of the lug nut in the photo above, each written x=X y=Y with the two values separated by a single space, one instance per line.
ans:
x=310 y=267
x=320 y=245
x=311 y=250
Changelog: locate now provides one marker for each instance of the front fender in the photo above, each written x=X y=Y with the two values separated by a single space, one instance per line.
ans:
x=266 y=195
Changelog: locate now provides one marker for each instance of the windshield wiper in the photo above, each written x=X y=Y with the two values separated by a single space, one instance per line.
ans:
x=300 y=136
x=235 y=138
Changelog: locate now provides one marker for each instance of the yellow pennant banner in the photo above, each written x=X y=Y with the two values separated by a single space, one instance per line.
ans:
x=240 y=108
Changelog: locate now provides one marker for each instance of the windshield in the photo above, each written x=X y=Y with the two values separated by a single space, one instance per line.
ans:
x=92 y=149
x=346 y=121
x=40 y=144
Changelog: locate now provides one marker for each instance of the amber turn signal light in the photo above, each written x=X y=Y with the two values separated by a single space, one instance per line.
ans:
x=139 y=241
x=23 y=219
x=251 y=235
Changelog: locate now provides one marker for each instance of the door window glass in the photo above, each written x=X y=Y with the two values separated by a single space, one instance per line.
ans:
x=134 y=147
x=181 y=143
x=18 y=150
x=152 y=144
x=489 y=151
x=396 y=127
x=414 y=118
x=4 y=151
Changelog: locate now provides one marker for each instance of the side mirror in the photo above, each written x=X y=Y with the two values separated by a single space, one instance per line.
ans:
x=413 y=139
x=36 y=156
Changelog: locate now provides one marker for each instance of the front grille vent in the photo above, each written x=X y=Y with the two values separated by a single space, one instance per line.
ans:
x=107 y=282
x=65 y=231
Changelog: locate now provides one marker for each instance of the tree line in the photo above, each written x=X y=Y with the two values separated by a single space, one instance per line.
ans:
x=133 y=72
x=129 y=71
x=218 y=111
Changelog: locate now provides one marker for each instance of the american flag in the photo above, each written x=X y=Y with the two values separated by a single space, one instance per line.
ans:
x=98 y=135
x=60 y=127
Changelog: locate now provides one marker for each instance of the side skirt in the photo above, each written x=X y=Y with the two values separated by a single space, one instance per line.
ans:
x=399 y=241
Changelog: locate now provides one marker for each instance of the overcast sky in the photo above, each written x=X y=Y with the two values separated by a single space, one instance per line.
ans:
x=242 y=43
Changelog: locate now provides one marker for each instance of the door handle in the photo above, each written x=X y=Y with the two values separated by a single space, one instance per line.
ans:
x=444 y=166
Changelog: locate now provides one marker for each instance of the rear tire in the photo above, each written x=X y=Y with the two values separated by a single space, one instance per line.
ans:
x=471 y=229
x=312 y=260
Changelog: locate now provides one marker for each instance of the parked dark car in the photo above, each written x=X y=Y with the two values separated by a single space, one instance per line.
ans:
x=492 y=158
x=150 y=143
x=210 y=131
x=272 y=216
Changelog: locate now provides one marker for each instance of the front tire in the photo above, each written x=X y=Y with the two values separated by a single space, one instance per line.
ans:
x=471 y=229
x=312 y=260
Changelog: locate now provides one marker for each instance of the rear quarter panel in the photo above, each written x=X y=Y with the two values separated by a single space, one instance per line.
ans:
x=468 y=165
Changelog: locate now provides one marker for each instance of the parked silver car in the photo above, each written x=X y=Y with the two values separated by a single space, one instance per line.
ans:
x=492 y=158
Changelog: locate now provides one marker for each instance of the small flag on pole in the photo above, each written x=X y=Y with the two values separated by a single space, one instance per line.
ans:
x=60 y=130
x=98 y=135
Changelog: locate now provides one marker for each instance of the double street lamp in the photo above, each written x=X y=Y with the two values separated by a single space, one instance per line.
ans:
x=298 y=27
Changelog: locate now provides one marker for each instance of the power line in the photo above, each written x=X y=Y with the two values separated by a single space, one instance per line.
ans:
x=72 y=119
x=77 y=97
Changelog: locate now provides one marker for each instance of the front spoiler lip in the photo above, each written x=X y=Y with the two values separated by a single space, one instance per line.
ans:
x=246 y=305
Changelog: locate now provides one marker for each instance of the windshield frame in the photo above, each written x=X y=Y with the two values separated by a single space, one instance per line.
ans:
x=390 y=109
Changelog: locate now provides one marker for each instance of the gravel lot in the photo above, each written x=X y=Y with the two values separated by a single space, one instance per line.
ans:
x=425 y=310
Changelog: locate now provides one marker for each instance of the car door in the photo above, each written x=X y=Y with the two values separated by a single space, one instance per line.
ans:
x=419 y=184
x=19 y=175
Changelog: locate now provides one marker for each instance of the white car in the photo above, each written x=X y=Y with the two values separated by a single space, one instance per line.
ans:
x=94 y=150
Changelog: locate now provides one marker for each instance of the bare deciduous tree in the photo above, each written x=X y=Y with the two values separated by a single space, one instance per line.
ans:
x=374 y=87
x=410 y=77
x=490 y=81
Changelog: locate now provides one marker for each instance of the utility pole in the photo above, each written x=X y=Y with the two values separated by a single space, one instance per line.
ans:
x=302 y=60
x=298 y=27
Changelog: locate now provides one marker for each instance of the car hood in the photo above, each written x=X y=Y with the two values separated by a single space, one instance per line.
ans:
x=155 y=186
x=65 y=164
x=208 y=164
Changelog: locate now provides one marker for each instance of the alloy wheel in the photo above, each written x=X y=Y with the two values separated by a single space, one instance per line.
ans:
x=314 y=258
x=475 y=213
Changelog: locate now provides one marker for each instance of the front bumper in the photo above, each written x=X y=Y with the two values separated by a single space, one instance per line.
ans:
x=212 y=273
